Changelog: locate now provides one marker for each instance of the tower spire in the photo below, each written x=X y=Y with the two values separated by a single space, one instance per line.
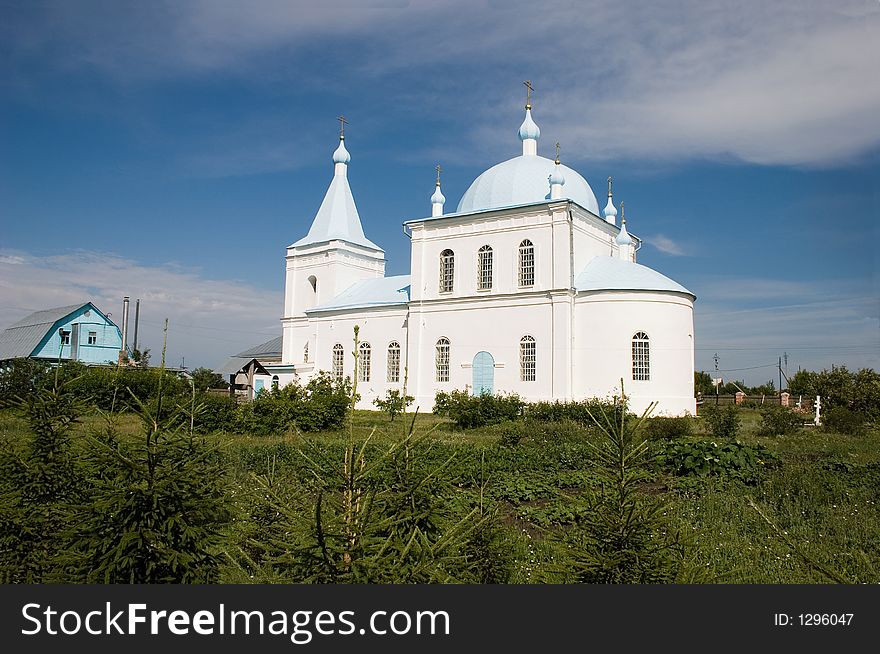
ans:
x=610 y=212
x=437 y=199
x=557 y=179
x=624 y=240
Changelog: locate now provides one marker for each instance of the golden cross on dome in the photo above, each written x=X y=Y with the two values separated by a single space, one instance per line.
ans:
x=342 y=123
x=622 y=213
x=529 y=90
x=609 y=186
x=557 y=153
x=438 y=169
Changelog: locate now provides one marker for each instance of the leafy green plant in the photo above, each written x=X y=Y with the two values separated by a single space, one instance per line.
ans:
x=707 y=459
x=394 y=403
x=723 y=422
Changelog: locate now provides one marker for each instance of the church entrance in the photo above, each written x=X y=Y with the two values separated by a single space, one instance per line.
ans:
x=484 y=373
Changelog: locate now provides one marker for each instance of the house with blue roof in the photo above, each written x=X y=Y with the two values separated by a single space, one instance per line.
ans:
x=527 y=287
x=77 y=332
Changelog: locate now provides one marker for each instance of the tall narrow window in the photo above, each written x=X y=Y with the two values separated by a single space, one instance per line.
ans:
x=526 y=263
x=338 y=361
x=527 y=359
x=484 y=268
x=393 y=375
x=313 y=281
x=306 y=352
x=641 y=357
x=447 y=270
x=365 y=352
x=441 y=360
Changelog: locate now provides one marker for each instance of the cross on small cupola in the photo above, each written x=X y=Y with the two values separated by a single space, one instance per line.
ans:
x=342 y=123
x=529 y=90
x=610 y=211
x=529 y=133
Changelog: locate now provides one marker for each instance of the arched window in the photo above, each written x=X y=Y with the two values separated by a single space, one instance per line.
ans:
x=641 y=357
x=393 y=373
x=526 y=263
x=306 y=352
x=314 y=283
x=365 y=352
x=484 y=268
x=447 y=270
x=338 y=362
x=527 y=359
x=274 y=382
x=441 y=360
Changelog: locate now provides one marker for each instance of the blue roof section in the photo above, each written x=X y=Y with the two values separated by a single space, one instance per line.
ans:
x=614 y=274
x=378 y=292
x=523 y=180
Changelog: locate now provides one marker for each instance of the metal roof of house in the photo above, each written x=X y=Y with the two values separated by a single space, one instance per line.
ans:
x=381 y=291
x=263 y=352
x=606 y=273
x=22 y=338
x=269 y=349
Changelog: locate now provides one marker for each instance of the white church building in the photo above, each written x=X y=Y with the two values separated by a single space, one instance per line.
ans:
x=525 y=288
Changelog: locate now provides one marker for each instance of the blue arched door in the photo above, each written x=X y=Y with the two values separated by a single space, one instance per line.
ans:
x=484 y=373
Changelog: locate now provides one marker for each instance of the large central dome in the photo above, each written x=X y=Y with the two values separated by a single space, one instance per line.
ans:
x=527 y=179
x=523 y=180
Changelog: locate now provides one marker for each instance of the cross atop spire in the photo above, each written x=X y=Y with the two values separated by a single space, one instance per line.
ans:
x=622 y=216
x=609 y=186
x=438 y=169
x=529 y=90
x=557 y=153
x=342 y=123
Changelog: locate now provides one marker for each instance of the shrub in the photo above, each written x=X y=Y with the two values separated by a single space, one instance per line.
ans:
x=843 y=420
x=838 y=387
x=214 y=412
x=661 y=428
x=779 y=420
x=394 y=403
x=622 y=536
x=321 y=405
x=723 y=422
x=471 y=411
x=708 y=459
x=20 y=378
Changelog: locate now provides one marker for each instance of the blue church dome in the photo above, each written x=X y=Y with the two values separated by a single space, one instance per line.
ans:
x=523 y=180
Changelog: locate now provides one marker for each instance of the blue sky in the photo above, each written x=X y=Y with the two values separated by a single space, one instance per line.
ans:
x=170 y=151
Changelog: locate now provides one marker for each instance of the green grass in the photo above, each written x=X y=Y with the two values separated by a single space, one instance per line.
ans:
x=822 y=494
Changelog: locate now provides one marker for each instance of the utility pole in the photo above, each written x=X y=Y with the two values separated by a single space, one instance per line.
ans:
x=717 y=386
x=780 y=376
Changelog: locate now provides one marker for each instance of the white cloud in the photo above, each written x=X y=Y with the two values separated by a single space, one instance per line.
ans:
x=770 y=83
x=666 y=245
x=208 y=318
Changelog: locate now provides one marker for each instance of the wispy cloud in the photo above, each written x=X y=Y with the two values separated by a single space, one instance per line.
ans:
x=208 y=318
x=666 y=245
x=752 y=321
x=770 y=83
